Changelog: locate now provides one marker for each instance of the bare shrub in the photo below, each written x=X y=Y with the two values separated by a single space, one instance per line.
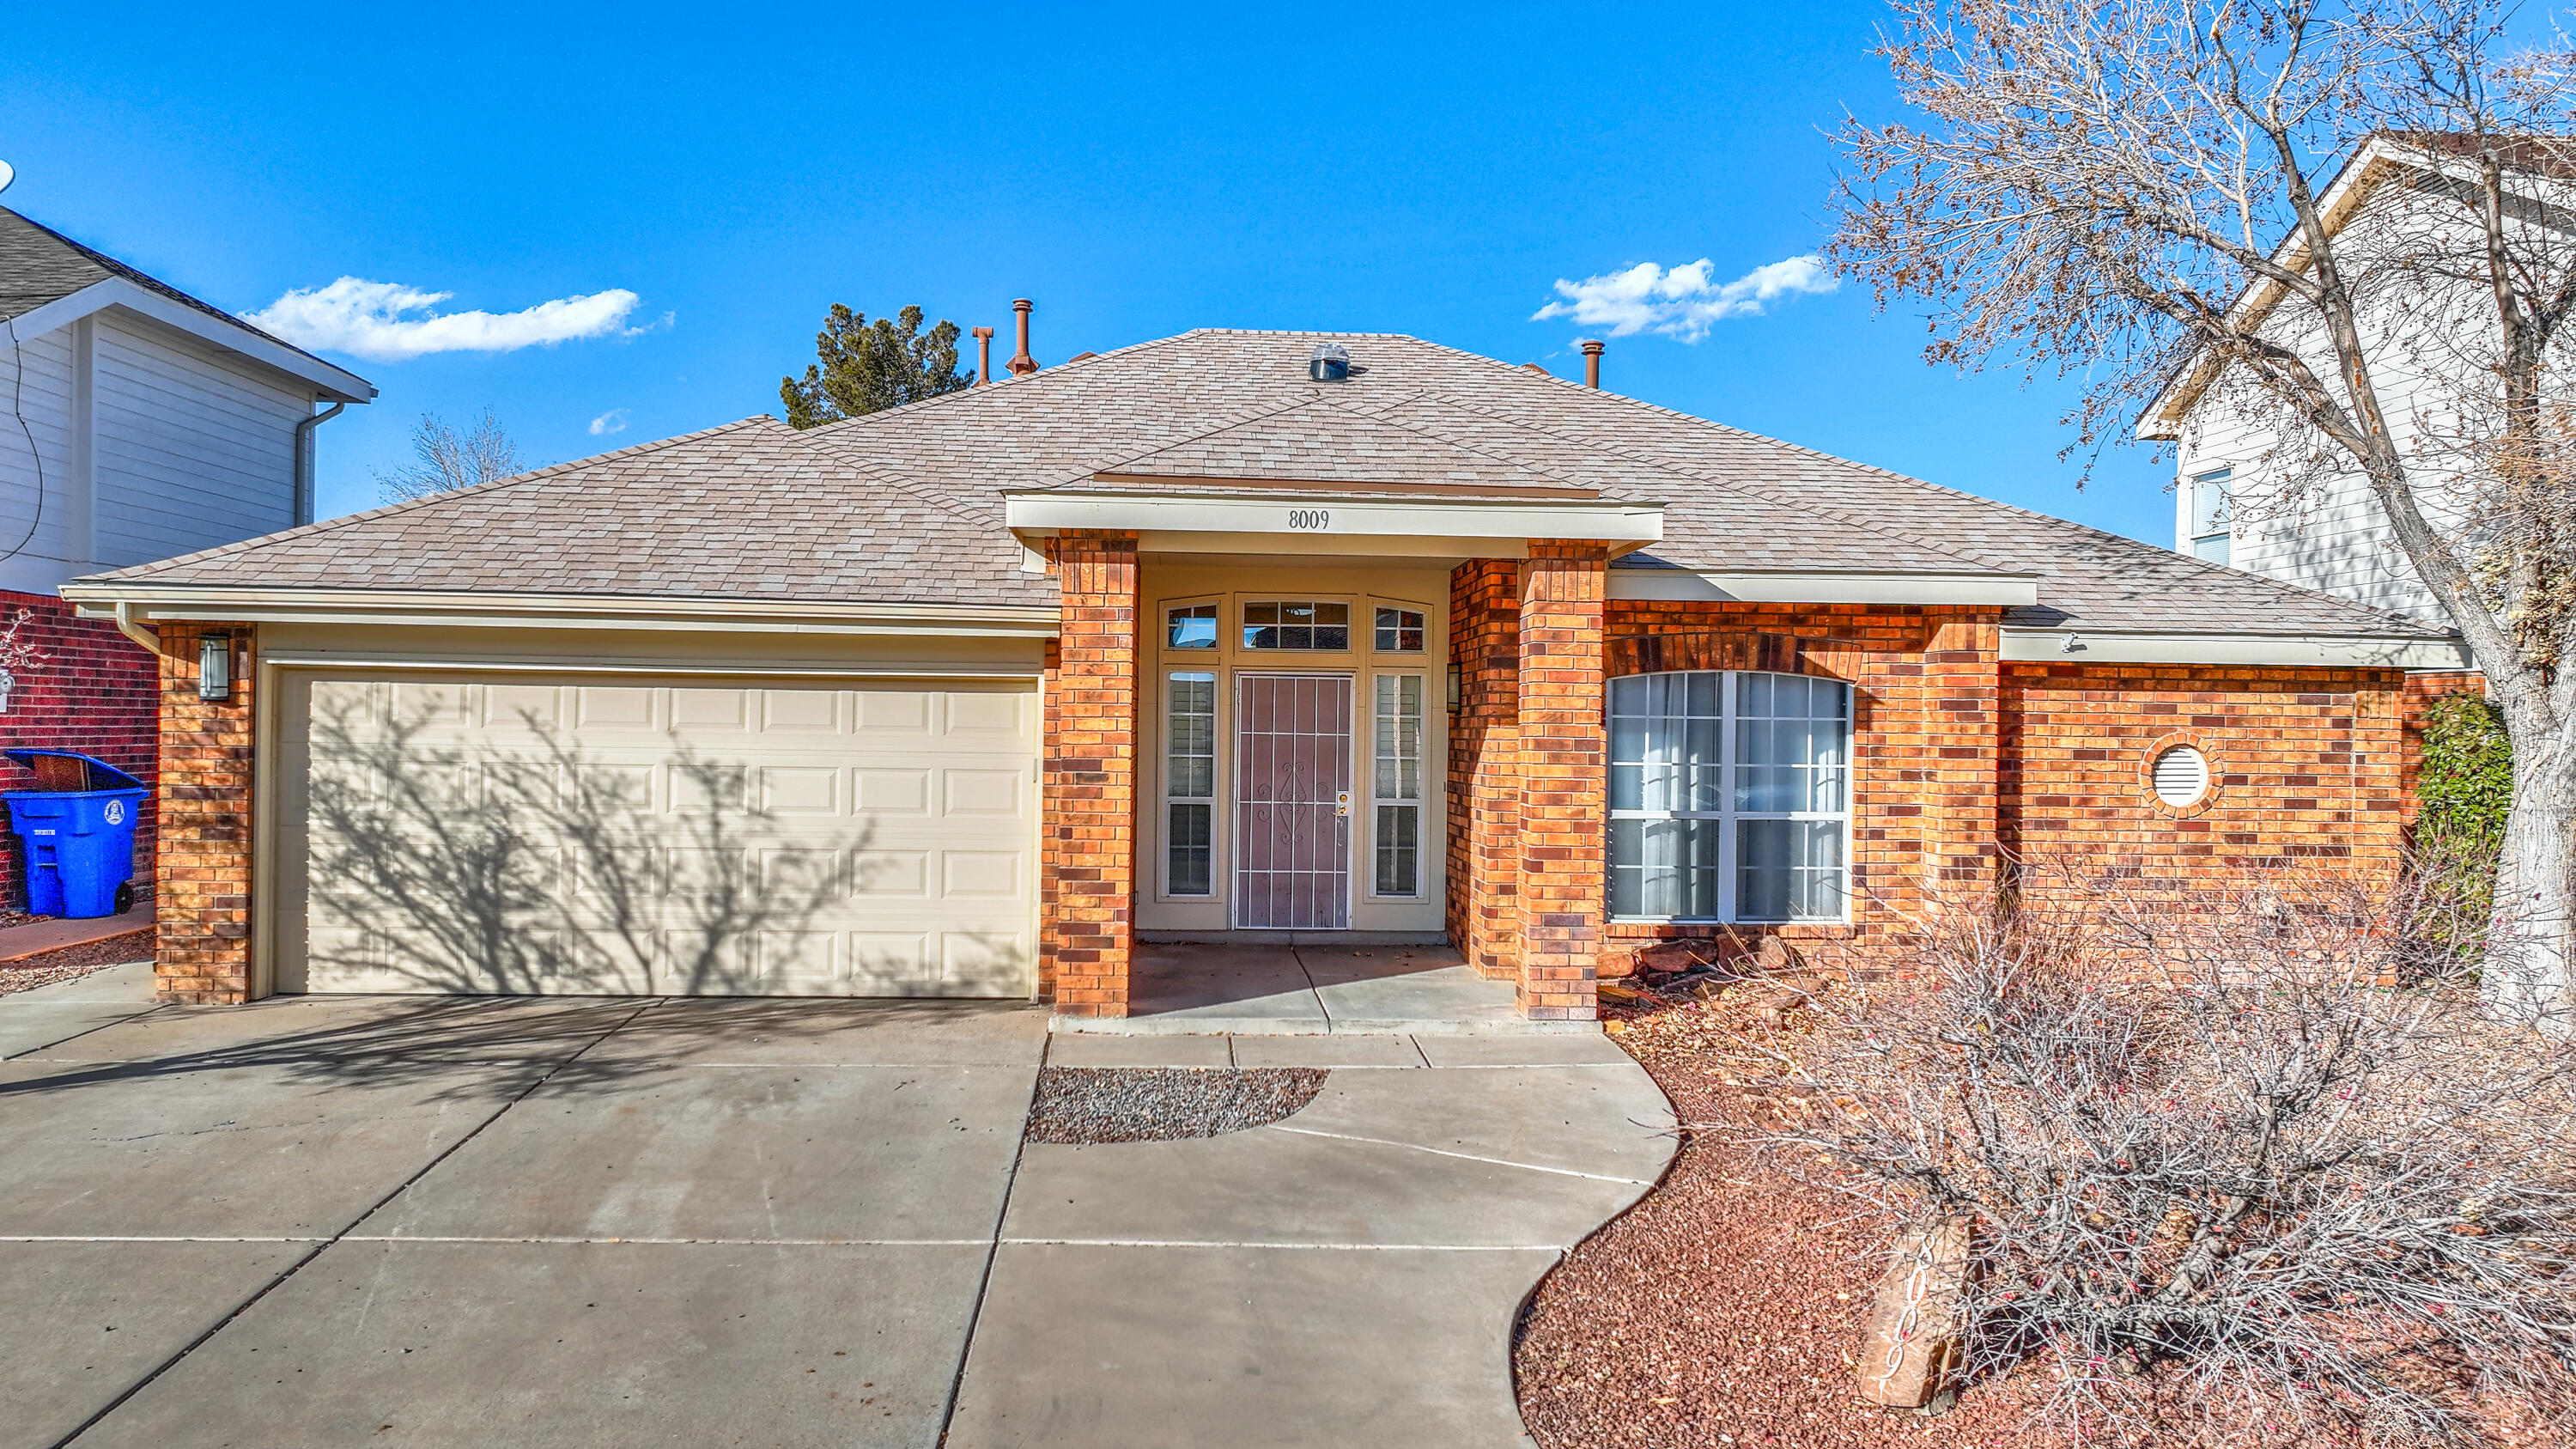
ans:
x=2224 y=1178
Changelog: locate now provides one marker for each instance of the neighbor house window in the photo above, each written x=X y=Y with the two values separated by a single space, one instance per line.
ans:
x=1189 y=785
x=1398 y=784
x=1190 y=626
x=2213 y=516
x=1729 y=797
x=1399 y=631
x=1283 y=624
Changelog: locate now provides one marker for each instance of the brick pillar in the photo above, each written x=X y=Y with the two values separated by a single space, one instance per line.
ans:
x=1088 y=909
x=1564 y=769
x=201 y=934
x=1484 y=765
x=1961 y=761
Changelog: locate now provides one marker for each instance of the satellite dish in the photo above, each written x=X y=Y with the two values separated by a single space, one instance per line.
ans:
x=6 y=175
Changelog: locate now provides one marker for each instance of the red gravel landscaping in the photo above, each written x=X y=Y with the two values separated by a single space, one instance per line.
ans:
x=1722 y=1311
x=72 y=962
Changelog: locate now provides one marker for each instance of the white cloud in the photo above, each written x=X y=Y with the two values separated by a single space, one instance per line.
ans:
x=611 y=421
x=1681 y=302
x=373 y=320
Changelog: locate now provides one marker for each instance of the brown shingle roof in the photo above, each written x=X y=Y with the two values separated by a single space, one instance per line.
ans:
x=906 y=505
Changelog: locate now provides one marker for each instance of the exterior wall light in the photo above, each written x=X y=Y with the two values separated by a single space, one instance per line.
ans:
x=1457 y=688
x=215 y=668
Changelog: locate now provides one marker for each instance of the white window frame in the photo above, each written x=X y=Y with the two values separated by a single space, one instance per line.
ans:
x=1728 y=816
x=2220 y=528
x=1217 y=757
x=1381 y=789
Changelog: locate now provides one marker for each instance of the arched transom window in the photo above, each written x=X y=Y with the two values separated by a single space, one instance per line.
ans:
x=1730 y=797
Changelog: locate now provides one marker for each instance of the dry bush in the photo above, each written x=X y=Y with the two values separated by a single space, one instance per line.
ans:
x=2225 y=1180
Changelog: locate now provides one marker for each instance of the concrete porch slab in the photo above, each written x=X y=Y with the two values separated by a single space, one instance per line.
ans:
x=1228 y=989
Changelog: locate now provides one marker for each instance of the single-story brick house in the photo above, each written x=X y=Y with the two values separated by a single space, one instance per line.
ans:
x=1207 y=638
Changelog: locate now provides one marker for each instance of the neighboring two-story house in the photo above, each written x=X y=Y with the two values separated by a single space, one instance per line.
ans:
x=142 y=423
x=2249 y=497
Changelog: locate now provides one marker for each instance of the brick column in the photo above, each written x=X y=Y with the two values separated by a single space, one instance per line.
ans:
x=1564 y=769
x=201 y=932
x=1087 y=909
x=1484 y=765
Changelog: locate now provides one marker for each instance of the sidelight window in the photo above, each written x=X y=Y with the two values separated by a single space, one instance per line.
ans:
x=1189 y=785
x=1397 y=787
x=1729 y=797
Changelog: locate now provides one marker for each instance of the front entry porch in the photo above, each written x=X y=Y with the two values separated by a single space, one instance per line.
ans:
x=1234 y=989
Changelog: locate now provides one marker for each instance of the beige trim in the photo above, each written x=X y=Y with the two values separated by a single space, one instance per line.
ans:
x=100 y=599
x=1348 y=523
x=895 y=669
x=1825 y=587
x=2292 y=651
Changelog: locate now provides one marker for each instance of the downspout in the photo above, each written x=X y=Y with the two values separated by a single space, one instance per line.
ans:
x=125 y=623
x=304 y=461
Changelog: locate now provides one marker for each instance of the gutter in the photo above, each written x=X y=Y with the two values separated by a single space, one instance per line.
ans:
x=125 y=625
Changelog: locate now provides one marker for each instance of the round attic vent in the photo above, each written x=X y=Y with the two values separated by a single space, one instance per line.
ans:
x=2181 y=776
x=1331 y=363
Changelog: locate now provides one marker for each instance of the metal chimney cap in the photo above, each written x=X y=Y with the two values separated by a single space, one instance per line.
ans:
x=1331 y=363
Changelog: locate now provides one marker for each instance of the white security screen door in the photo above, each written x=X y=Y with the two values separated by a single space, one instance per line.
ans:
x=1292 y=835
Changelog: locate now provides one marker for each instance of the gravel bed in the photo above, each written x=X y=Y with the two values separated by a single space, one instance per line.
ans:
x=1723 y=1310
x=1086 y=1106
x=74 y=962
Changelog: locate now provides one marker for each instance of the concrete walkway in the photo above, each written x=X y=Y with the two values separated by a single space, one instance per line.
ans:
x=1201 y=988
x=585 y=1222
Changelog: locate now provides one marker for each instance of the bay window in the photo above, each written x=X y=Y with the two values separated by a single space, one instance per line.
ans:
x=1729 y=797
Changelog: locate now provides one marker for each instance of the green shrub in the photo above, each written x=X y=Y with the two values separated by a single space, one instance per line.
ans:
x=2462 y=790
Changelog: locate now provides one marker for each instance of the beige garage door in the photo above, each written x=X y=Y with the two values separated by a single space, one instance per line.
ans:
x=496 y=833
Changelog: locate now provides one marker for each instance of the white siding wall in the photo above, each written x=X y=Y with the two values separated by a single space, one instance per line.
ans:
x=38 y=376
x=195 y=447
x=189 y=447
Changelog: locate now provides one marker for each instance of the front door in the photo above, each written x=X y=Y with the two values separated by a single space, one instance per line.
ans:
x=1292 y=792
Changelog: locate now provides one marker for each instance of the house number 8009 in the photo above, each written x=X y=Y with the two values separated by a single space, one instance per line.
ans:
x=1310 y=518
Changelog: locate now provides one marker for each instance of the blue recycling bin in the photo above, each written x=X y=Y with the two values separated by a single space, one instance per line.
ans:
x=79 y=842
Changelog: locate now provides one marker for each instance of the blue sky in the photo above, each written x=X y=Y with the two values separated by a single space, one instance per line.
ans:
x=1137 y=172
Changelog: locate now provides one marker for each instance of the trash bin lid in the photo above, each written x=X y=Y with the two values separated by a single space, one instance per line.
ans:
x=101 y=774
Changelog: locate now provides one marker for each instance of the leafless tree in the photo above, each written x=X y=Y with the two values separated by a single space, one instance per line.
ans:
x=2136 y=190
x=444 y=460
x=2222 y=1179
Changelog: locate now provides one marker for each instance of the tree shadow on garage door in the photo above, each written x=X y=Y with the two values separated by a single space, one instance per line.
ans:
x=525 y=865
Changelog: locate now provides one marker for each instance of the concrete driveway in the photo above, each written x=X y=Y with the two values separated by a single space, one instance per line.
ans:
x=326 y=1221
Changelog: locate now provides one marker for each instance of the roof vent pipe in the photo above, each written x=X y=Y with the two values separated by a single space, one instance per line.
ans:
x=1023 y=364
x=983 y=355
x=1592 y=363
x=1331 y=363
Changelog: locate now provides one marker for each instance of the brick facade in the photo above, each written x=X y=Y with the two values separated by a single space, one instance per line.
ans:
x=202 y=935
x=1484 y=765
x=1563 y=766
x=2303 y=765
x=1087 y=903
x=96 y=694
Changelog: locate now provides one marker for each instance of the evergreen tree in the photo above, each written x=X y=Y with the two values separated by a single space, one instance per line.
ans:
x=865 y=367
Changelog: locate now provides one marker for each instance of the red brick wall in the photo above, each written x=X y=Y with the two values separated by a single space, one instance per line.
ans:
x=96 y=694
x=1563 y=770
x=1926 y=741
x=2304 y=764
x=1087 y=906
x=202 y=940
x=1484 y=752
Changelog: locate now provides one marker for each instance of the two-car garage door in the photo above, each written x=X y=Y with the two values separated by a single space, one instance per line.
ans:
x=493 y=832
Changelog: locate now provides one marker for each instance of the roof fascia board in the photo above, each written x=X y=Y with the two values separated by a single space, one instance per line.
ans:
x=1780 y=587
x=321 y=606
x=331 y=382
x=2297 y=651
x=1343 y=518
x=479 y=664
